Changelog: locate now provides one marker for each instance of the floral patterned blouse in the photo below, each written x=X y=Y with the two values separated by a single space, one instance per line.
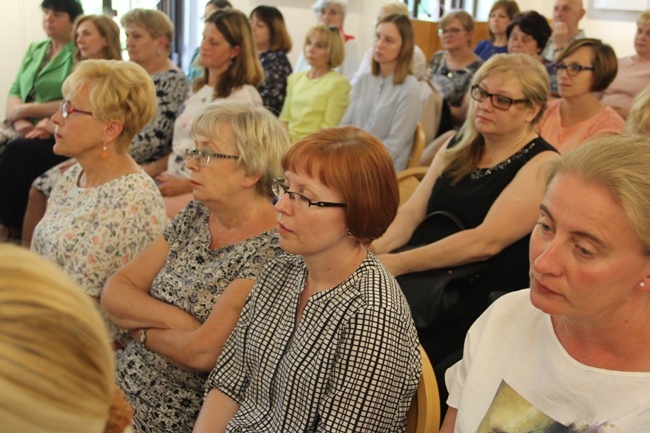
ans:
x=453 y=84
x=276 y=71
x=166 y=398
x=92 y=232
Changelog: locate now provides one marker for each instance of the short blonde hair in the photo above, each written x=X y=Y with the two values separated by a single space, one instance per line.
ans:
x=620 y=164
x=156 y=23
x=259 y=136
x=644 y=17
x=638 y=121
x=119 y=91
x=332 y=39
x=395 y=8
x=56 y=362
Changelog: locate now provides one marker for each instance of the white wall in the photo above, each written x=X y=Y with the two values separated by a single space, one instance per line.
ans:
x=20 y=23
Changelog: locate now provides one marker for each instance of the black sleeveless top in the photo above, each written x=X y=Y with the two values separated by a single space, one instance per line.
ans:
x=470 y=199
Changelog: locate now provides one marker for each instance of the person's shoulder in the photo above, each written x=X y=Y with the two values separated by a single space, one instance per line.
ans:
x=337 y=78
x=512 y=307
x=377 y=286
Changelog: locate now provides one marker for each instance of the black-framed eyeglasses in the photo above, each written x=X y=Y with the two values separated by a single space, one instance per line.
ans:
x=67 y=109
x=333 y=29
x=498 y=101
x=571 y=69
x=452 y=30
x=299 y=201
x=202 y=156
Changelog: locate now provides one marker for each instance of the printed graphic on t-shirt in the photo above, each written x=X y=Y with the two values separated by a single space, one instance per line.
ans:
x=509 y=412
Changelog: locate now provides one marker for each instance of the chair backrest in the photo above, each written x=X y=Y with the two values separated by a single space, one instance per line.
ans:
x=424 y=414
x=431 y=110
x=419 y=141
x=408 y=180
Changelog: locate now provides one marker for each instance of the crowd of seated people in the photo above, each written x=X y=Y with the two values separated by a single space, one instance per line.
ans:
x=239 y=231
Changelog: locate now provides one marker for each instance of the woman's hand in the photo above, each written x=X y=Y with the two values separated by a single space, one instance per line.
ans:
x=172 y=185
x=44 y=129
x=23 y=127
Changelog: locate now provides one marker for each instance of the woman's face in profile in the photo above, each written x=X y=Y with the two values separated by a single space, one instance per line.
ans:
x=522 y=43
x=90 y=43
x=56 y=24
x=586 y=260
x=309 y=230
x=215 y=51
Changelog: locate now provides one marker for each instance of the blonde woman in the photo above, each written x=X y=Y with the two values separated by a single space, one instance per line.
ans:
x=317 y=98
x=60 y=377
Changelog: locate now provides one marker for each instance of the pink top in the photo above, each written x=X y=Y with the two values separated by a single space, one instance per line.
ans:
x=633 y=76
x=566 y=138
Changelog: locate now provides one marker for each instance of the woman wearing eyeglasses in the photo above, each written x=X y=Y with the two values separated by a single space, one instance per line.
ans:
x=104 y=209
x=488 y=177
x=584 y=67
x=181 y=298
x=326 y=341
x=451 y=69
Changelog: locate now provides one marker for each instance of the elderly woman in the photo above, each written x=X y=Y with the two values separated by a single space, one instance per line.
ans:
x=181 y=298
x=317 y=98
x=488 y=177
x=232 y=71
x=501 y=15
x=60 y=377
x=326 y=328
x=105 y=209
x=451 y=69
x=273 y=44
x=148 y=41
x=571 y=353
x=528 y=33
x=331 y=13
x=585 y=66
x=386 y=101
x=633 y=71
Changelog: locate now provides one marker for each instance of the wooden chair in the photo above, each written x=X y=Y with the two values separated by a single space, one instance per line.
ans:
x=419 y=141
x=408 y=180
x=424 y=414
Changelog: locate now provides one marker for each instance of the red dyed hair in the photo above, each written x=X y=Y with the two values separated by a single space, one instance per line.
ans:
x=357 y=166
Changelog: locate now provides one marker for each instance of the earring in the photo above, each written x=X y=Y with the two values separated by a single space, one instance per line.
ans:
x=642 y=284
x=158 y=52
x=348 y=233
x=104 y=153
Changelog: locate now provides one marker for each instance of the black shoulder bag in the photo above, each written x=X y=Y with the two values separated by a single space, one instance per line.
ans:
x=433 y=295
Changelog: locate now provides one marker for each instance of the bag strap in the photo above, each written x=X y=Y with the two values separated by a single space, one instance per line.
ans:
x=452 y=216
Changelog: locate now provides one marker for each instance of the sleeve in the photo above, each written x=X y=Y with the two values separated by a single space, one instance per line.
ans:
x=405 y=120
x=433 y=66
x=338 y=100
x=258 y=252
x=609 y=123
x=348 y=117
x=285 y=114
x=274 y=88
x=155 y=139
x=374 y=377
x=15 y=89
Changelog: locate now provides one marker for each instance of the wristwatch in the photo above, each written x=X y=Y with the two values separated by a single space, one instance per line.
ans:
x=143 y=336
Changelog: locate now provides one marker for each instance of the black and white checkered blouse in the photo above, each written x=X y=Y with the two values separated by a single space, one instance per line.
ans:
x=352 y=364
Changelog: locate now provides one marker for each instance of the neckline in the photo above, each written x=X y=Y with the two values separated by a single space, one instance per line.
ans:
x=479 y=173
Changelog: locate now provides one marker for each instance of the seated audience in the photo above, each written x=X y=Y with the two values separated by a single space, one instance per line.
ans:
x=317 y=98
x=638 y=120
x=182 y=296
x=527 y=34
x=501 y=15
x=273 y=43
x=451 y=69
x=571 y=353
x=57 y=372
x=105 y=209
x=196 y=70
x=488 y=177
x=148 y=41
x=35 y=94
x=386 y=101
x=633 y=71
x=418 y=65
x=232 y=71
x=326 y=341
x=331 y=13
x=584 y=67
